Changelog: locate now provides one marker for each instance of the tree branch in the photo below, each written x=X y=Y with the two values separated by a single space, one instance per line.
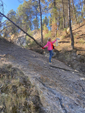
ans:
x=21 y=29
x=4 y=28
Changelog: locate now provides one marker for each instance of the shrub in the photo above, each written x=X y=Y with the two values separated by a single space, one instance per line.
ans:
x=81 y=41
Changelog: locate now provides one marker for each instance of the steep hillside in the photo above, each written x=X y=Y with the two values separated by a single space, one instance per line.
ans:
x=65 y=41
x=57 y=88
x=74 y=58
x=79 y=39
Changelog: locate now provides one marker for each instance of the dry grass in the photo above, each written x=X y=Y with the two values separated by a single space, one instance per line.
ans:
x=79 y=39
x=17 y=94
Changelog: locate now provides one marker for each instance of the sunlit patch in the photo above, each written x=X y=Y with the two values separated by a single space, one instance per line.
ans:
x=82 y=78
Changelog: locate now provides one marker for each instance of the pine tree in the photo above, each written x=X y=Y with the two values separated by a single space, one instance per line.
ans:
x=71 y=34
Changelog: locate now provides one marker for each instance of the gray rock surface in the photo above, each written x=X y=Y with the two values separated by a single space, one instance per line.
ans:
x=73 y=59
x=61 y=89
x=21 y=41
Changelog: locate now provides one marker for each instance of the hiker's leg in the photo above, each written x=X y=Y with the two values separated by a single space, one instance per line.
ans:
x=50 y=55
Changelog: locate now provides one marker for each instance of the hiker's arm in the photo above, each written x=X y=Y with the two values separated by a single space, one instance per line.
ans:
x=54 y=41
x=46 y=45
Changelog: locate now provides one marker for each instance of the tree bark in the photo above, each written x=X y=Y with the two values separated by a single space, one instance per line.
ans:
x=55 y=17
x=41 y=23
x=54 y=3
x=71 y=34
x=84 y=2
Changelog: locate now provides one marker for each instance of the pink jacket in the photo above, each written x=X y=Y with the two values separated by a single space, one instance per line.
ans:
x=49 y=45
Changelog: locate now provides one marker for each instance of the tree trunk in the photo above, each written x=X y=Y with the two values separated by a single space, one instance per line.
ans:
x=41 y=23
x=84 y=2
x=63 y=15
x=71 y=34
x=54 y=2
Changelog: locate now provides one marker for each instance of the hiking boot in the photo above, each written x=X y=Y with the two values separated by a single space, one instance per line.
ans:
x=50 y=62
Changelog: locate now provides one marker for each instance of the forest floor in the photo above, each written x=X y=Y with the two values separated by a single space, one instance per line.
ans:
x=60 y=88
x=79 y=39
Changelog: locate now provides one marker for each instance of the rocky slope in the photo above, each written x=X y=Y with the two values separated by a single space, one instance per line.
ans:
x=17 y=94
x=60 y=89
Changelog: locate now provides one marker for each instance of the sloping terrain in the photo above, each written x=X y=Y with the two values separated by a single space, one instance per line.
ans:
x=79 y=39
x=60 y=88
x=17 y=94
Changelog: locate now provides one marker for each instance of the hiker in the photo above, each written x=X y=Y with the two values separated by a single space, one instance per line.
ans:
x=50 y=48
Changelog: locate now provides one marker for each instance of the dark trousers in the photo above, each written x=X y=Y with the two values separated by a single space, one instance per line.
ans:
x=50 y=55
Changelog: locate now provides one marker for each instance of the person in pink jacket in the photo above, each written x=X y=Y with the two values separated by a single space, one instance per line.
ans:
x=50 y=48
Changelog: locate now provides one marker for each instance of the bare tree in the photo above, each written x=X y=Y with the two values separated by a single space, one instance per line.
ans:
x=71 y=34
x=20 y=28
x=2 y=10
